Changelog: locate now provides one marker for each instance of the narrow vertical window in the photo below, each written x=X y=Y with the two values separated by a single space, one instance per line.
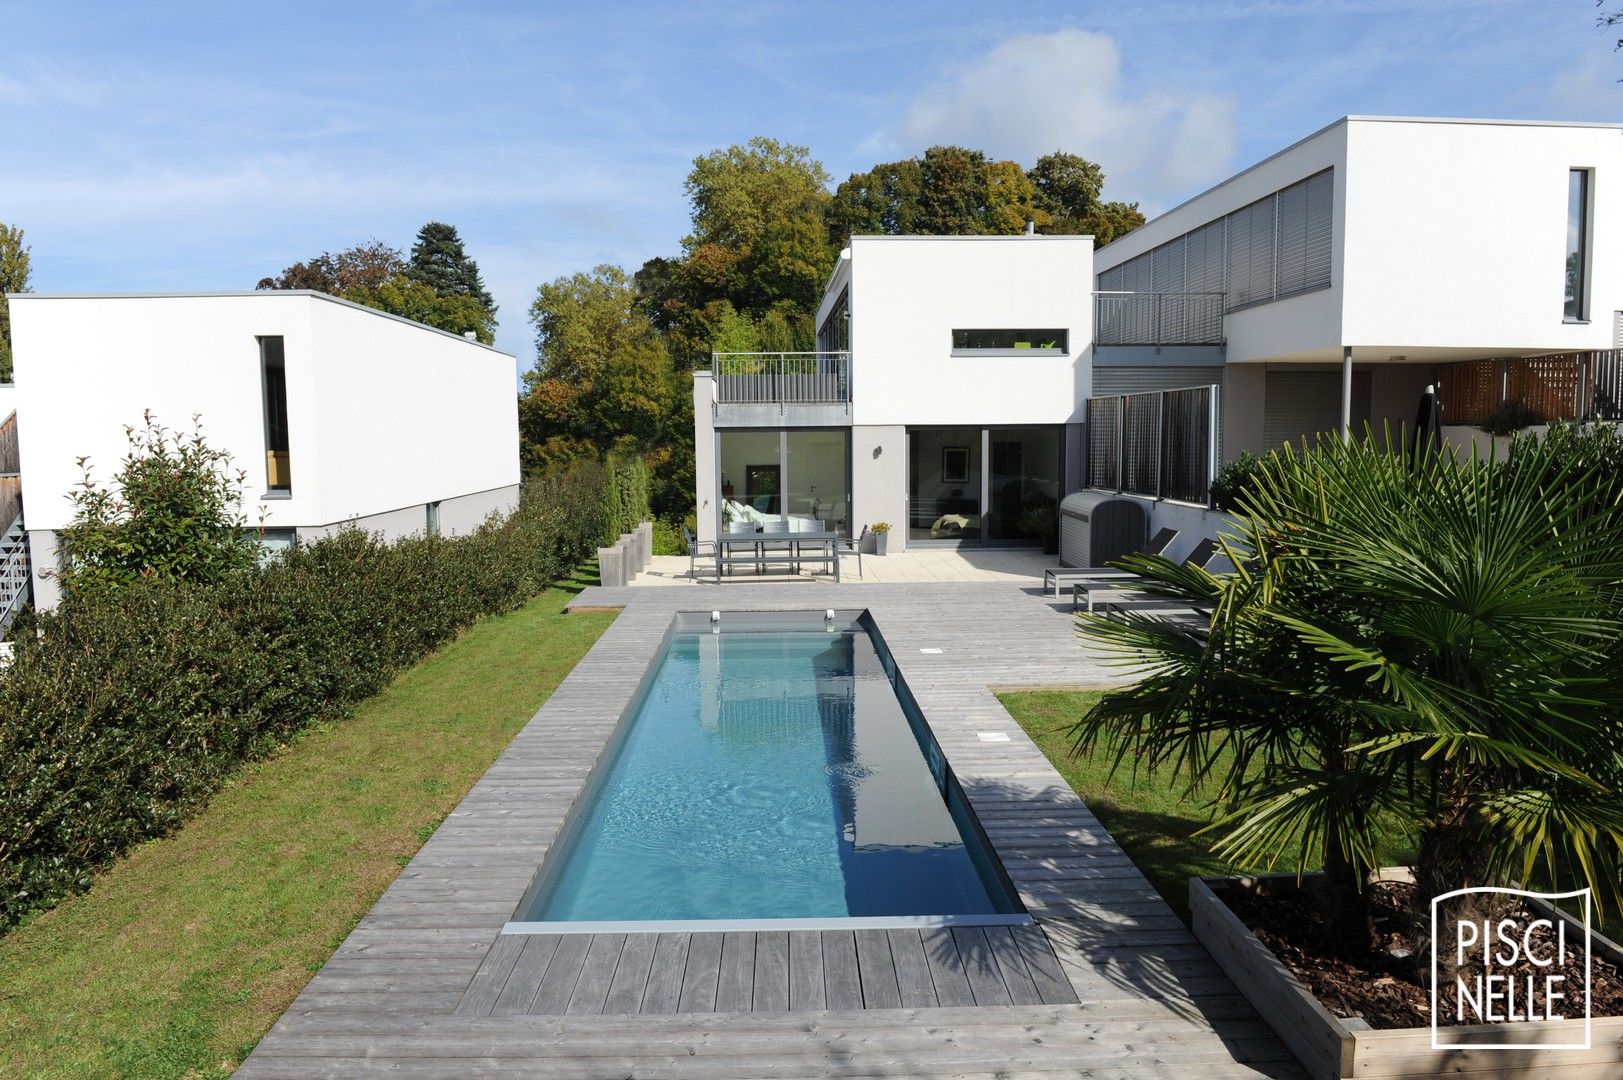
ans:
x=1577 y=268
x=433 y=525
x=273 y=381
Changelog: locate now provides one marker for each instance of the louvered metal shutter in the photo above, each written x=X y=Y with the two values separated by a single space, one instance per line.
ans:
x=1203 y=256
x=1251 y=253
x=1135 y=274
x=1166 y=276
x=1110 y=280
x=1307 y=403
x=1292 y=273
x=1320 y=225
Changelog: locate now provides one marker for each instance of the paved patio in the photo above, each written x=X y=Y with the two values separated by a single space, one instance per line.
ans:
x=415 y=988
x=1014 y=567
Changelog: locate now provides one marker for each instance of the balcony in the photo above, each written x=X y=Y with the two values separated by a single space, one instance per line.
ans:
x=1158 y=318
x=782 y=378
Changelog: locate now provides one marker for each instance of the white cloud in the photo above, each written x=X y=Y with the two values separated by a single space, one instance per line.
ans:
x=1037 y=93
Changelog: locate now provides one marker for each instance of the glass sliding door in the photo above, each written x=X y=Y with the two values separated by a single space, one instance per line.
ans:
x=1023 y=484
x=816 y=478
x=944 y=484
x=803 y=475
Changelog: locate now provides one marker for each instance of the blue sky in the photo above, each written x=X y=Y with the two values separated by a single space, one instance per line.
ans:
x=162 y=146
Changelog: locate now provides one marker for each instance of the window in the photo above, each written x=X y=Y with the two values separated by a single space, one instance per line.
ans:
x=1577 y=268
x=273 y=384
x=433 y=523
x=997 y=342
x=275 y=543
x=835 y=333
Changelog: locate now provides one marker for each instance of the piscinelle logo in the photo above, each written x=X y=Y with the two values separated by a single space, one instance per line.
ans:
x=1508 y=970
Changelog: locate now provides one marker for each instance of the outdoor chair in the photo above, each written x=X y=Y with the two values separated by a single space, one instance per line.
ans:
x=696 y=548
x=1057 y=577
x=846 y=546
x=1116 y=594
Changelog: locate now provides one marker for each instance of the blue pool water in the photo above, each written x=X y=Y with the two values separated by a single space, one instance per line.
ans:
x=768 y=774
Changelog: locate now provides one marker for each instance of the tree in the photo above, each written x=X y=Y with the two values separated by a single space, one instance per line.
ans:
x=602 y=373
x=175 y=513
x=367 y=265
x=1069 y=188
x=1429 y=643
x=14 y=273
x=414 y=300
x=757 y=235
x=439 y=261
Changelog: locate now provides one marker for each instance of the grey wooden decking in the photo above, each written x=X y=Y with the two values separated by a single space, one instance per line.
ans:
x=426 y=985
x=771 y=971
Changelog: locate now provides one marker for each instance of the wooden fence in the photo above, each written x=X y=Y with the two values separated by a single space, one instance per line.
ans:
x=1560 y=386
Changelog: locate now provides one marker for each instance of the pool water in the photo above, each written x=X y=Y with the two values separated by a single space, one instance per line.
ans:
x=771 y=774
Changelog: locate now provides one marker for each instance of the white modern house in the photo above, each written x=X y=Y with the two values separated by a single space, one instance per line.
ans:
x=337 y=414
x=945 y=399
x=960 y=380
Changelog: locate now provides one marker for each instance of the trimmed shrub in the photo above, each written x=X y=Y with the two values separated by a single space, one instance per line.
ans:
x=1510 y=417
x=131 y=706
x=626 y=483
x=1234 y=481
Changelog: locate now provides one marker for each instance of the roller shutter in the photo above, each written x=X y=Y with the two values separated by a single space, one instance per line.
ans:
x=1306 y=403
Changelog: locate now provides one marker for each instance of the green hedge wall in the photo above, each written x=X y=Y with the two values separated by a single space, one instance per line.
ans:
x=626 y=486
x=132 y=706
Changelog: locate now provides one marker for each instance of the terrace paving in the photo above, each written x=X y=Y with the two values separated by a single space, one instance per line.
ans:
x=1108 y=983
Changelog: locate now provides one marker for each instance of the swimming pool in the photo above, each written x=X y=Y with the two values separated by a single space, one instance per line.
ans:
x=772 y=771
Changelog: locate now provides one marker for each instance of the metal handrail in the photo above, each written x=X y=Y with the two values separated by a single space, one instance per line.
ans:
x=1130 y=317
x=789 y=378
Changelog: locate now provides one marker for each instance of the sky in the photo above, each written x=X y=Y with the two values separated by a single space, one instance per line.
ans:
x=174 y=147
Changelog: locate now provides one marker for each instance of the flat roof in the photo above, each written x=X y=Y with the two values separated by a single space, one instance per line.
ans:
x=314 y=293
x=1354 y=118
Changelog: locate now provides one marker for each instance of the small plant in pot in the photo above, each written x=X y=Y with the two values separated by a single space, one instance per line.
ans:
x=881 y=536
x=1042 y=521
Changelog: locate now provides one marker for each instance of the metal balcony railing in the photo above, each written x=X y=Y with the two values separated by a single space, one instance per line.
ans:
x=1158 y=318
x=782 y=378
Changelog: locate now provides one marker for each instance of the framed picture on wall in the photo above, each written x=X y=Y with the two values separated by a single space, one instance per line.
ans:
x=955 y=464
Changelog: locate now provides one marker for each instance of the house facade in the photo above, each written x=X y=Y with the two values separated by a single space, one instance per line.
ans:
x=945 y=399
x=337 y=414
x=962 y=381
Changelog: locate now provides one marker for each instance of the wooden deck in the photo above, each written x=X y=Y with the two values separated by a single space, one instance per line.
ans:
x=1107 y=983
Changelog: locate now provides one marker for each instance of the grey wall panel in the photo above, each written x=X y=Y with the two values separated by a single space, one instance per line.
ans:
x=1307 y=403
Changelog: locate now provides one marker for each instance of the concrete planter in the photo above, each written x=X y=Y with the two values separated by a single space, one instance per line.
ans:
x=1332 y=1048
x=880 y=542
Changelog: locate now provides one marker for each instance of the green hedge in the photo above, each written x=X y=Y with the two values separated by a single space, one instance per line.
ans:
x=132 y=706
x=626 y=484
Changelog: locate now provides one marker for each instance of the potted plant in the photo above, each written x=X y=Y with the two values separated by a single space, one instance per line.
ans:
x=1423 y=647
x=1041 y=520
x=881 y=536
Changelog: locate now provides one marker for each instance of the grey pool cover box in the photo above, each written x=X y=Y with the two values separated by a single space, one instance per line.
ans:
x=1096 y=528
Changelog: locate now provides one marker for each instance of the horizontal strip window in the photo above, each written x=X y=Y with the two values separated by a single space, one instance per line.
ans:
x=995 y=342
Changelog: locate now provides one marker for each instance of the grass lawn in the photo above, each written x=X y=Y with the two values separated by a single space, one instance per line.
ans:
x=1152 y=817
x=184 y=953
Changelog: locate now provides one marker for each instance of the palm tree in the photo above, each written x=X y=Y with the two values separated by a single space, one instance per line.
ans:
x=1426 y=640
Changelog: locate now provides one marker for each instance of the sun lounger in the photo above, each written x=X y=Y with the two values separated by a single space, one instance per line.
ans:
x=1057 y=577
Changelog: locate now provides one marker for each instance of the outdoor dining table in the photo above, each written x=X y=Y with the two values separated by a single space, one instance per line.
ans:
x=795 y=547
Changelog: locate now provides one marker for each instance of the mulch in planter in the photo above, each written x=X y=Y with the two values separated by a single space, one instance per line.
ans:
x=1378 y=986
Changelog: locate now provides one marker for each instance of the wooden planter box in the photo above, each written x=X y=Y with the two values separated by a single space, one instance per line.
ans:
x=1331 y=1048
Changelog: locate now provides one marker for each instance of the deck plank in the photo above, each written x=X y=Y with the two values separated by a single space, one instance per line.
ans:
x=664 y=988
x=771 y=990
x=525 y=982
x=735 y=989
x=946 y=968
x=914 y=985
x=1012 y=966
x=703 y=974
x=631 y=974
x=806 y=988
x=841 y=979
x=879 y=985
x=562 y=974
x=596 y=974
x=985 y=981
x=492 y=975
x=1046 y=972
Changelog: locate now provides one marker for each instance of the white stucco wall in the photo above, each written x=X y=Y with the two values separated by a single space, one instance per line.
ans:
x=879 y=480
x=383 y=415
x=908 y=293
x=1448 y=240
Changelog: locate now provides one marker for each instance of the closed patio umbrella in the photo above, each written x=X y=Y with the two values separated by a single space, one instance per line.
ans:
x=1427 y=436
